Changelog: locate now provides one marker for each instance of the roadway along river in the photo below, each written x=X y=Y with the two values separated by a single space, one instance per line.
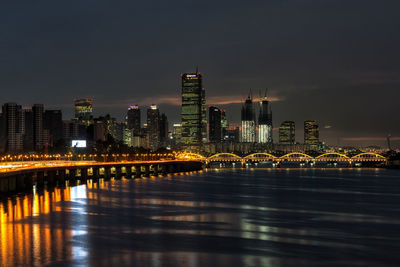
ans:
x=227 y=217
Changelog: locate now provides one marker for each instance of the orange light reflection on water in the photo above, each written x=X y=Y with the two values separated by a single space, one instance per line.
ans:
x=25 y=236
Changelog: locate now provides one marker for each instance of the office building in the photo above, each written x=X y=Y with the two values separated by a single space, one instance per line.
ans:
x=265 y=121
x=176 y=135
x=163 y=130
x=214 y=124
x=287 y=133
x=224 y=125
x=84 y=110
x=133 y=119
x=153 y=127
x=52 y=122
x=14 y=127
x=28 y=130
x=193 y=112
x=248 y=134
x=311 y=134
x=38 y=139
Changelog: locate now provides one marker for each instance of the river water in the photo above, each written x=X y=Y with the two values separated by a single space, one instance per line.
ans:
x=225 y=217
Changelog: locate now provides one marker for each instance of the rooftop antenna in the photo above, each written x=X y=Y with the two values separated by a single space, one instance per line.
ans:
x=197 y=69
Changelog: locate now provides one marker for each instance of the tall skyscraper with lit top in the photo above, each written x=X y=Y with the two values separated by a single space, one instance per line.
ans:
x=193 y=112
x=133 y=119
x=83 y=110
x=265 y=121
x=248 y=121
x=153 y=127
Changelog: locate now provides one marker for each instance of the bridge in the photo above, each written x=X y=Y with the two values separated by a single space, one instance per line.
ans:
x=20 y=176
x=331 y=157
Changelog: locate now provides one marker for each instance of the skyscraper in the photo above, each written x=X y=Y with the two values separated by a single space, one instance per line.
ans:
x=287 y=133
x=203 y=116
x=265 y=121
x=37 y=110
x=52 y=121
x=311 y=134
x=153 y=127
x=133 y=119
x=177 y=135
x=193 y=112
x=224 y=125
x=214 y=124
x=83 y=110
x=248 y=121
x=163 y=130
x=13 y=117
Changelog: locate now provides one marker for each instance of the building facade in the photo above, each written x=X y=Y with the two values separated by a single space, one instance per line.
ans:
x=84 y=110
x=193 y=112
x=153 y=127
x=265 y=122
x=133 y=119
x=38 y=138
x=52 y=122
x=248 y=134
x=311 y=134
x=14 y=127
x=287 y=133
x=214 y=124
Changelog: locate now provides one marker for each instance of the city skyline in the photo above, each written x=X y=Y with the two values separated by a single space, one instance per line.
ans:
x=343 y=73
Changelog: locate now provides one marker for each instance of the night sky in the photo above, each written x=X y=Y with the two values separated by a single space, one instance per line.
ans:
x=334 y=61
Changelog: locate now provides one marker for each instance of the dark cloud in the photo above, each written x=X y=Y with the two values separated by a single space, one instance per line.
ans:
x=334 y=61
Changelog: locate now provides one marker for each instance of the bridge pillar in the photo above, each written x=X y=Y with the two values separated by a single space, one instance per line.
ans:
x=28 y=180
x=107 y=172
x=128 y=171
x=72 y=175
x=243 y=163
x=50 y=179
x=61 y=177
x=39 y=179
x=95 y=172
x=84 y=174
x=21 y=182
x=137 y=171
x=153 y=170
x=163 y=169
x=12 y=183
x=118 y=172
x=145 y=170
x=4 y=184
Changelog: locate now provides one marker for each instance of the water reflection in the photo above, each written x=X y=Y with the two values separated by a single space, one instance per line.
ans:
x=270 y=217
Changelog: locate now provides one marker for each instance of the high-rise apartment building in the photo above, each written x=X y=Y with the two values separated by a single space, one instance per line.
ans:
x=52 y=122
x=287 y=133
x=214 y=124
x=176 y=135
x=311 y=134
x=133 y=119
x=14 y=127
x=83 y=110
x=224 y=125
x=153 y=127
x=193 y=112
x=163 y=125
x=265 y=121
x=248 y=121
x=38 y=139
x=28 y=131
